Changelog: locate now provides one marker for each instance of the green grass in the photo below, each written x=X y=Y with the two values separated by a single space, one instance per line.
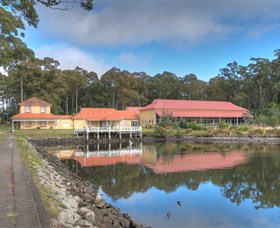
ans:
x=31 y=160
x=44 y=133
x=4 y=130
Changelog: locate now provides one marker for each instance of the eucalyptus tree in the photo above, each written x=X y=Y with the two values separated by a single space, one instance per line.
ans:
x=192 y=88
x=164 y=86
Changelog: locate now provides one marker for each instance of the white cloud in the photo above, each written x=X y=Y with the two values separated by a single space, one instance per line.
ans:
x=141 y=22
x=70 y=57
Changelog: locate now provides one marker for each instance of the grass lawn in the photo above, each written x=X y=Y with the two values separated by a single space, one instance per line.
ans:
x=44 y=133
x=4 y=130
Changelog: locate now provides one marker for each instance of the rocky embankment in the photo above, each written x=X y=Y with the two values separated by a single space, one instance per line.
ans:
x=79 y=204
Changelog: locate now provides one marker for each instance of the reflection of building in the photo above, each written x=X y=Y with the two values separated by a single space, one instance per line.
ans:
x=191 y=162
x=147 y=156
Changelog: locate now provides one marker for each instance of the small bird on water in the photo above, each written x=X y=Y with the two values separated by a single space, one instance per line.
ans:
x=179 y=203
x=168 y=214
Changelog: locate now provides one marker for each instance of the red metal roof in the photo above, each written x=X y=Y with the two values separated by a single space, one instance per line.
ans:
x=34 y=101
x=134 y=109
x=204 y=113
x=98 y=114
x=193 y=105
x=34 y=116
x=122 y=115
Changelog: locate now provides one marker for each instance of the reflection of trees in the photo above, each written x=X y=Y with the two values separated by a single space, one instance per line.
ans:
x=257 y=180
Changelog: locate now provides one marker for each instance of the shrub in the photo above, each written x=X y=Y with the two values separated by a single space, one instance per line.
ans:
x=273 y=121
x=161 y=131
x=223 y=125
x=195 y=126
x=244 y=128
x=189 y=131
x=183 y=123
x=257 y=132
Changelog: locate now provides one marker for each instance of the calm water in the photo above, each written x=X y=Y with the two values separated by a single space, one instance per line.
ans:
x=226 y=186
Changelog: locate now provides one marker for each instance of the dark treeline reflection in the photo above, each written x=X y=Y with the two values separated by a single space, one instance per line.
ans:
x=258 y=179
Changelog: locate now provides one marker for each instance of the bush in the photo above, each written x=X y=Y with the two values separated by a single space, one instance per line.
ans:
x=189 y=131
x=273 y=121
x=195 y=126
x=183 y=123
x=257 y=132
x=244 y=128
x=161 y=131
x=223 y=125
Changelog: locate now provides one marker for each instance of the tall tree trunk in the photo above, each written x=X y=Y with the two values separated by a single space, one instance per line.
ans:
x=77 y=100
x=66 y=104
x=21 y=88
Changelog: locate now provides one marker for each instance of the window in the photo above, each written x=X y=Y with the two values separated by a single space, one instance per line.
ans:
x=43 y=108
x=27 y=124
x=27 y=108
x=43 y=124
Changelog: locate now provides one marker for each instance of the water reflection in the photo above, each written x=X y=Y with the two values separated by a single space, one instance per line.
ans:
x=236 y=179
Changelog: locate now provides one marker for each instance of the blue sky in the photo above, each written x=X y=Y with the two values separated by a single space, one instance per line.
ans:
x=182 y=37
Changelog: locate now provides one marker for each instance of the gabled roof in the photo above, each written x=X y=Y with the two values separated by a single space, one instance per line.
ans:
x=94 y=114
x=193 y=105
x=34 y=101
x=98 y=114
x=134 y=109
x=64 y=116
x=34 y=116
x=122 y=115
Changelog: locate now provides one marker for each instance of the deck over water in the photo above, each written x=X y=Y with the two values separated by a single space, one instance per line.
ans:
x=97 y=131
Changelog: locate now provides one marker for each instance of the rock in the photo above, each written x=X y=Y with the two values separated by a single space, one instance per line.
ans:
x=58 y=185
x=70 y=203
x=100 y=203
x=90 y=216
x=67 y=217
x=88 y=198
x=68 y=184
x=99 y=197
x=83 y=211
x=78 y=199
x=83 y=223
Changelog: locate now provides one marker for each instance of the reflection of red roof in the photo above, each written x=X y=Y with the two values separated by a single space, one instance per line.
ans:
x=205 y=113
x=98 y=114
x=100 y=161
x=34 y=101
x=193 y=105
x=191 y=162
x=134 y=109
x=34 y=116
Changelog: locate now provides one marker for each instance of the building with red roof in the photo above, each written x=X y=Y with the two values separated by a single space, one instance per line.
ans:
x=204 y=112
x=36 y=114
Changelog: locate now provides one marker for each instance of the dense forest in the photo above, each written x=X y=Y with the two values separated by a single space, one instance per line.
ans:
x=256 y=86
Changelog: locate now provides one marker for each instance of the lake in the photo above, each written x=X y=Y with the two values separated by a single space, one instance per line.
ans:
x=177 y=184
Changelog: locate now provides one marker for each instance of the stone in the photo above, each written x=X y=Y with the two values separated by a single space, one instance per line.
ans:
x=58 y=185
x=90 y=216
x=83 y=211
x=99 y=197
x=69 y=203
x=83 y=223
x=88 y=198
x=65 y=218
x=78 y=199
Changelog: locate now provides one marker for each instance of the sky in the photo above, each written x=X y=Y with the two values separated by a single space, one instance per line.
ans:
x=178 y=36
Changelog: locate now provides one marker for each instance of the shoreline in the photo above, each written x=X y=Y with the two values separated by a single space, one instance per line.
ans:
x=68 y=141
x=80 y=205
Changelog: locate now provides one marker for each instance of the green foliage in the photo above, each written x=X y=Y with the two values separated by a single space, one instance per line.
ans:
x=257 y=132
x=244 y=128
x=223 y=125
x=161 y=131
x=196 y=126
x=183 y=124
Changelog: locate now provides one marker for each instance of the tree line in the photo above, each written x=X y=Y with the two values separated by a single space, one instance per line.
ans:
x=256 y=87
